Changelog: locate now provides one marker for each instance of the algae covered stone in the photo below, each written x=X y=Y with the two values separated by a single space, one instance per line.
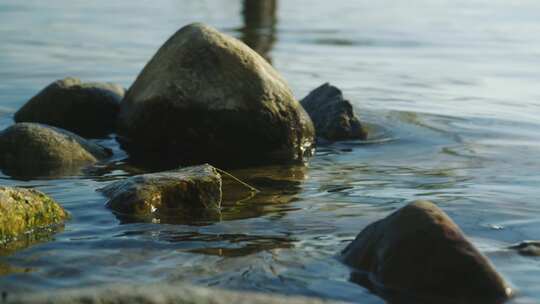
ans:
x=168 y=193
x=88 y=109
x=207 y=97
x=23 y=210
x=332 y=115
x=35 y=147
x=419 y=253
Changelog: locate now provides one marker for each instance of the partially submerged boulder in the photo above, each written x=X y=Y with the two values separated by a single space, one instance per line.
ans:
x=419 y=251
x=87 y=109
x=25 y=210
x=35 y=147
x=332 y=115
x=207 y=97
x=527 y=248
x=168 y=193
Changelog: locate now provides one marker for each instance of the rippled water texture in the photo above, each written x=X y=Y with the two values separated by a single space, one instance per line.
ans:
x=450 y=88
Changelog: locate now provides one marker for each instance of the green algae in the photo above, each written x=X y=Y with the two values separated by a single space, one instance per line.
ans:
x=23 y=211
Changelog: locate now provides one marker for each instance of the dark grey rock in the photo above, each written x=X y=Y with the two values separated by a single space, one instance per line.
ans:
x=207 y=97
x=332 y=115
x=31 y=147
x=168 y=193
x=88 y=109
x=527 y=248
x=419 y=251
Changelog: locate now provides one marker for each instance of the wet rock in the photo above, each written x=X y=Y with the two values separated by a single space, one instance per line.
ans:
x=88 y=109
x=418 y=250
x=34 y=148
x=207 y=97
x=163 y=293
x=169 y=193
x=527 y=248
x=25 y=210
x=332 y=115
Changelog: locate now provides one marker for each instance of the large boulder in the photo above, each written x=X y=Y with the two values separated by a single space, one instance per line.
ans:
x=419 y=251
x=332 y=115
x=26 y=210
x=207 y=97
x=88 y=109
x=170 y=193
x=31 y=147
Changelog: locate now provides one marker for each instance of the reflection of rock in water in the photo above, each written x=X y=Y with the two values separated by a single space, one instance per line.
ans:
x=36 y=236
x=6 y=269
x=23 y=241
x=229 y=245
x=260 y=20
x=278 y=187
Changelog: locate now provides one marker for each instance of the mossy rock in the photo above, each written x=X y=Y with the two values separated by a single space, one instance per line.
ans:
x=88 y=109
x=207 y=97
x=23 y=211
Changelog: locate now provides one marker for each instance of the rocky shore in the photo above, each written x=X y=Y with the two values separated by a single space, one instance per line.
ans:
x=205 y=99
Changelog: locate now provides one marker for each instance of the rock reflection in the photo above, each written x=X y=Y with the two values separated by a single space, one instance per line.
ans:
x=259 y=30
x=39 y=235
x=24 y=241
x=182 y=217
x=26 y=172
x=6 y=269
x=230 y=245
x=278 y=186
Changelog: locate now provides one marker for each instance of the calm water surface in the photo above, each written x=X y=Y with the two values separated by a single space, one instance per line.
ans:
x=452 y=88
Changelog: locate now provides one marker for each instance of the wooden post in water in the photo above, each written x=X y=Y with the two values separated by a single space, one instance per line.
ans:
x=260 y=20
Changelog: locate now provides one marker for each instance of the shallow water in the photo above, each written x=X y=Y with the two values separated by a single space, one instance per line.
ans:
x=450 y=86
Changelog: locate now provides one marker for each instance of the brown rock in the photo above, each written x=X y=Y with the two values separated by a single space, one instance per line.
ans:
x=169 y=193
x=418 y=251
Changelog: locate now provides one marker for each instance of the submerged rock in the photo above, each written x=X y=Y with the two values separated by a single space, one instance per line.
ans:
x=163 y=293
x=419 y=251
x=24 y=210
x=88 y=109
x=35 y=148
x=169 y=193
x=527 y=248
x=207 y=97
x=332 y=115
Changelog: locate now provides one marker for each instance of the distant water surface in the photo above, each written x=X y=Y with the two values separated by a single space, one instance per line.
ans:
x=452 y=88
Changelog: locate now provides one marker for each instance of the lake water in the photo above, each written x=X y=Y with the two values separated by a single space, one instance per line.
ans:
x=452 y=88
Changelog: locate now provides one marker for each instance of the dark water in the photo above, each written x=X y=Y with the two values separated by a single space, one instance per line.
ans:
x=451 y=86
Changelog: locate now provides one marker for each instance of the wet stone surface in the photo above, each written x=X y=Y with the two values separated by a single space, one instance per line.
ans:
x=87 y=109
